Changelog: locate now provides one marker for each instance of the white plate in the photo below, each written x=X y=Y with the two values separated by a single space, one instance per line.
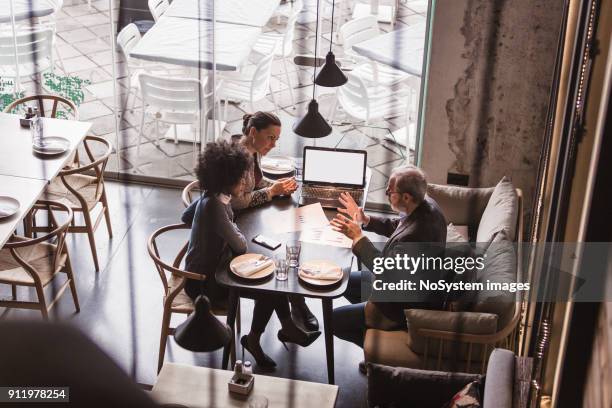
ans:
x=58 y=144
x=270 y=165
x=258 y=275
x=319 y=264
x=8 y=206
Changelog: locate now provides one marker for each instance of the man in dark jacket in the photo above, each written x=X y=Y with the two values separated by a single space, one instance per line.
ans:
x=420 y=228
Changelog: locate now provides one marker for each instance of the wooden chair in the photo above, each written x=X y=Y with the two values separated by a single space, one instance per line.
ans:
x=189 y=192
x=173 y=279
x=48 y=105
x=82 y=188
x=35 y=262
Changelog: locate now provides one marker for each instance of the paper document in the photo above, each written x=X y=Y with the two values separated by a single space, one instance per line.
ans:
x=326 y=236
x=300 y=219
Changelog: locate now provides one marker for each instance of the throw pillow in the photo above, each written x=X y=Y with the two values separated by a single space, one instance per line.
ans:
x=500 y=214
x=468 y=397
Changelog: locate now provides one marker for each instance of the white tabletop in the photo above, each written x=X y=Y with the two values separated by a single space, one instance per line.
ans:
x=24 y=9
x=201 y=387
x=253 y=12
x=17 y=157
x=402 y=49
x=24 y=190
x=188 y=42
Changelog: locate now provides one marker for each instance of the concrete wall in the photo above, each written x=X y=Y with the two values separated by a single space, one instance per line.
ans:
x=491 y=69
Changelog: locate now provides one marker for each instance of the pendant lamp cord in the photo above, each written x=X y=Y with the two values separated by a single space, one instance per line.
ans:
x=331 y=34
x=315 y=51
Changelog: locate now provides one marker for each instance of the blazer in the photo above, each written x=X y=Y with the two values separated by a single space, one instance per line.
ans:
x=426 y=224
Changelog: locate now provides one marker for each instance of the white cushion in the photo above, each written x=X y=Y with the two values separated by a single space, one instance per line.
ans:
x=500 y=213
x=456 y=233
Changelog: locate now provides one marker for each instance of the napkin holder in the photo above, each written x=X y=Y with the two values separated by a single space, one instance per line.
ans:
x=25 y=122
x=241 y=383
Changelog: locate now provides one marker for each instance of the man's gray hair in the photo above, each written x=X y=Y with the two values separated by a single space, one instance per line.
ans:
x=412 y=180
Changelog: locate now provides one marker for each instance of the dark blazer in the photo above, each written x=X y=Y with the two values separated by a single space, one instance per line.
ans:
x=214 y=238
x=426 y=224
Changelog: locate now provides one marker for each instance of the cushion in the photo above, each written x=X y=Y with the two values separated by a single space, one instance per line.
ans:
x=462 y=322
x=500 y=213
x=467 y=397
x=498 y=390
x=456 y=233
x=499 y=267
x=390 y=347
x=406 y=387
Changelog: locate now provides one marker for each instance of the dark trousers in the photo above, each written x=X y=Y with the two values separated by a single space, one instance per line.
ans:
x=264 y=304
x=349 y=321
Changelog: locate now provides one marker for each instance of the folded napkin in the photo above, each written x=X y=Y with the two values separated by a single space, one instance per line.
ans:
x=52 y=146
x=323 y=273
x=280 y=165
x=252 y=266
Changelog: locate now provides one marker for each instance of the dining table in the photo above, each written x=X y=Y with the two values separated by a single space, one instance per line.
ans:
x=26 y=9
x=250 y=13
x=24 y=174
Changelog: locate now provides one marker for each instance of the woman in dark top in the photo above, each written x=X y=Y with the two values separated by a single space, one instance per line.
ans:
x=260 y=132
x=221 y=171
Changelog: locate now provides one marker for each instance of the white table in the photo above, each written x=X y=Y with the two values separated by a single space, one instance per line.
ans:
x=188 y=42
x=25 y=9
x=17 y=157
x=201 y=387
x=24 y=190
x=252 y=12
x=402 y=49
x=385 y=13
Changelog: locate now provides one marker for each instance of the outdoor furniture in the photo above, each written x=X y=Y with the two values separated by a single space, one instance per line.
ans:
x=82 y=188
x=26 y=9
x=28 y=52
x=281 y=46
x=250 y=84
x=367 y=102
x=35 y=262
x=176 y=384
x=158 y=8
x=384 y=13
x=356 y=31
x=173 y=279
x=250 y=13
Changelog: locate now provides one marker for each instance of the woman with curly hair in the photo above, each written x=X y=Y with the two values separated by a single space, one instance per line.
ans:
x=215 y=238
x=260 y=132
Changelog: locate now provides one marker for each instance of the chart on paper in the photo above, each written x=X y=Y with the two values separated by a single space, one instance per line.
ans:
x=300 y=219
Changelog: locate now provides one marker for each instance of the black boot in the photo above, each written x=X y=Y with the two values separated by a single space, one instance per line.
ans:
x=302 y=315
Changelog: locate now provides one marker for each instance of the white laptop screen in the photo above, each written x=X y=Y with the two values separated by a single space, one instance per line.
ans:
x=338 y=167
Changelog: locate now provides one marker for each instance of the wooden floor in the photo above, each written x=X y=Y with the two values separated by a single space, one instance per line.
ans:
x=121 y=306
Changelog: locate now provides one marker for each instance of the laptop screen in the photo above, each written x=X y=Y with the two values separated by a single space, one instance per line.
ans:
x=334 y=166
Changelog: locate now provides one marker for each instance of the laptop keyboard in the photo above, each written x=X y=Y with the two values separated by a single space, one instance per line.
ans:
x=329 y=193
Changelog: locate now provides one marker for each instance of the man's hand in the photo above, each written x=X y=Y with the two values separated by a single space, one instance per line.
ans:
x=347 y=227
x=284 y=186
x=352 y=209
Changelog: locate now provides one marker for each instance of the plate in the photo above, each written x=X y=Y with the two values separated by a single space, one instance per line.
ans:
x=58 y=144
x=320 y=264
x=270 y=165
x=8 y=206
x=259 y=275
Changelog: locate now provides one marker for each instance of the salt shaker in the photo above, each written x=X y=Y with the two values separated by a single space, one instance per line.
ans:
x=247 y=368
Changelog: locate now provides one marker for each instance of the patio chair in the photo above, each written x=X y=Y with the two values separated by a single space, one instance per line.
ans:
x=35 y=262
x=82 y=189
x=158 y=8
x=280 y=45
x=367 y=103
x=356 y=31
x=178 y=101
x=173 y=279
x=29 y=52
x=250 y=84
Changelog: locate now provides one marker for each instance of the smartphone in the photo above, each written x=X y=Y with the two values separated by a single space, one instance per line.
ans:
x=266 y=242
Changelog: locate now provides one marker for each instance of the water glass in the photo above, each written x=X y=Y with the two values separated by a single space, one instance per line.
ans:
x=282 y=269
x=258 y=401
x=36 y=128
x=293 y=253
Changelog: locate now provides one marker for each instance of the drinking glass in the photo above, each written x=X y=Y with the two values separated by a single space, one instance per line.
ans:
x=258 y=401
x=293 y=253
x=282 y=272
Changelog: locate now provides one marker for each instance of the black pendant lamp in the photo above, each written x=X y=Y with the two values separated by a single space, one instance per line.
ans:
x=331 y=75
x=313 y=125
x=202 y=331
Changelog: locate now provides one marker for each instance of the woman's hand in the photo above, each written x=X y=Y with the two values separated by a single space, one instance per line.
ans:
x=352 y=209
x=283 y=186
x=347 y=227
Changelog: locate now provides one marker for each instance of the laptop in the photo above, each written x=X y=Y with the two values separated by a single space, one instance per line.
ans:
x=328 y=172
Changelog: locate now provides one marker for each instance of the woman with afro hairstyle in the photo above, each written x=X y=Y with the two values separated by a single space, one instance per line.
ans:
x=215 y=238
